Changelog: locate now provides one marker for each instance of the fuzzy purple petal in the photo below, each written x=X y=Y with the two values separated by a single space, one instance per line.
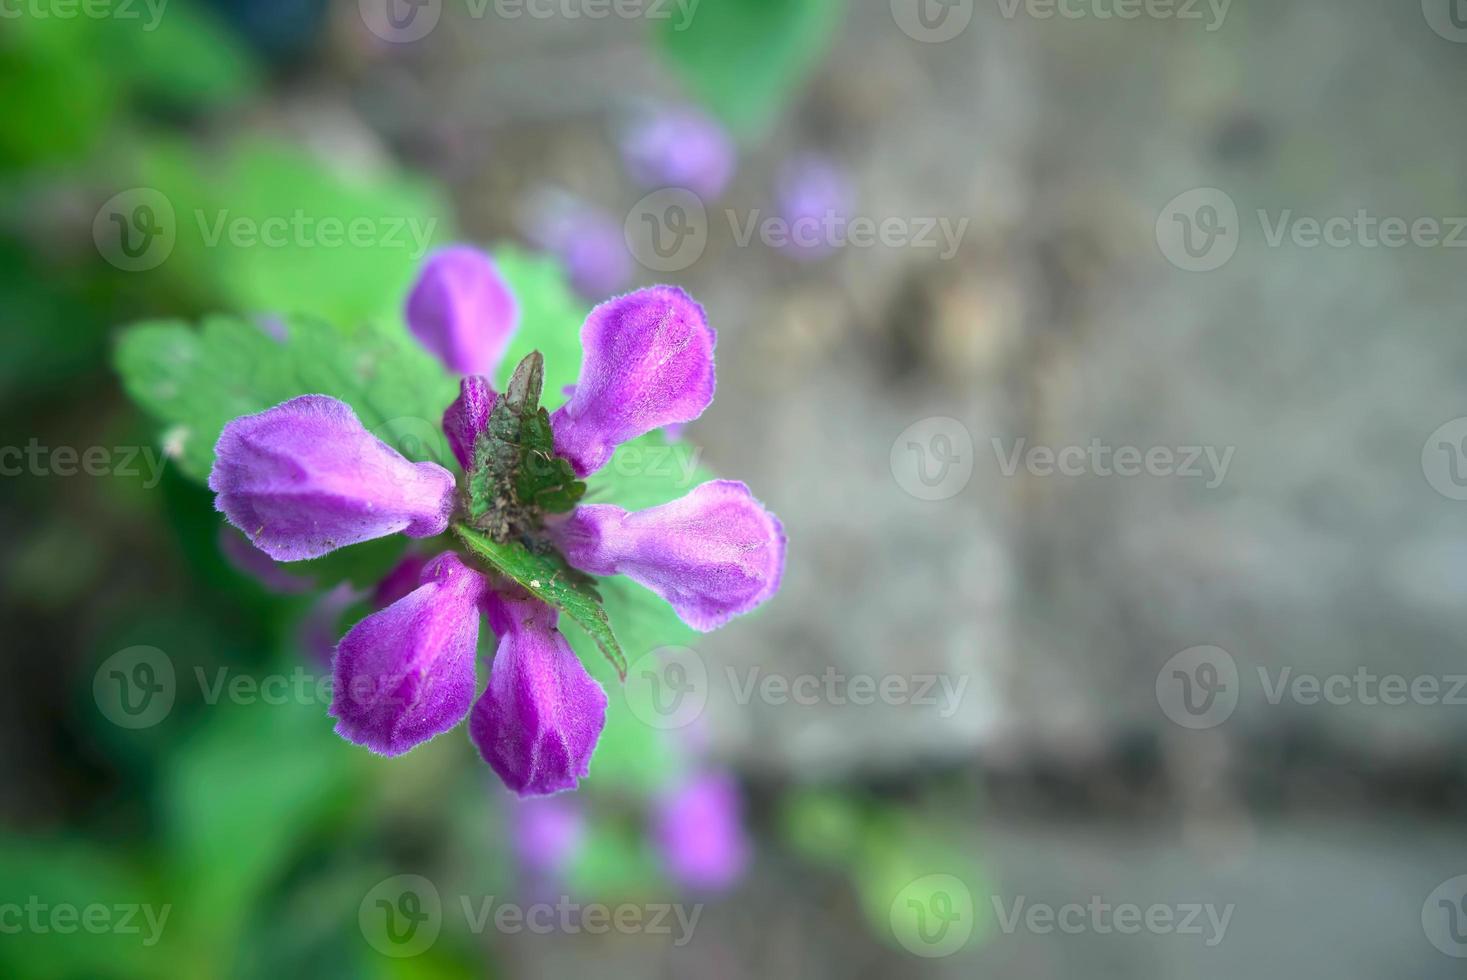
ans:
x=462 y=310
x=406 y=673
x=699 y=831
x=647 y=362
x=305 y=478
x=713 y=554
x=468 y=416
x=538 y=721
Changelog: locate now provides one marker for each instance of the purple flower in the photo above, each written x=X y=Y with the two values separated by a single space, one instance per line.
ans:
x=712 y=554
x=305 y=477
x=679 y=147
x=699 y=832
x=462 y=310
x=539 y=719
x=547 y=831
x=589 y=241
x=406 y=673
x=647 y=362
x=814 y=196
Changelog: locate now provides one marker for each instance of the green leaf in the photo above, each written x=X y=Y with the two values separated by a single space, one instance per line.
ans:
x=549 y=579
x=195 y=381
x=267 y=228
x=516 y=476
x=743 y=58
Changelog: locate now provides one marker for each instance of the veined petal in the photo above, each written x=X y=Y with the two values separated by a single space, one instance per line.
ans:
x=305 y=478
x=647 y=362
x=538 y=721
x=406 y=673
x=462 y=310
x=713 y=553
x=468 y=416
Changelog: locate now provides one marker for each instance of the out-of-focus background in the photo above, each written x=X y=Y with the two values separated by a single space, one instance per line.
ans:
x=1102 y=358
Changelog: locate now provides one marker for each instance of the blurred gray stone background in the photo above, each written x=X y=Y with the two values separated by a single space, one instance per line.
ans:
x=1323 y=371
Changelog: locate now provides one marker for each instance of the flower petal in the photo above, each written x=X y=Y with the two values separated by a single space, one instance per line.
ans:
x=468 y=416
x=305 y=478
x=713 y=553
x=462 y=310
x=647 y=362
x=406 y=673
x=699 y=830
x=538 y=721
